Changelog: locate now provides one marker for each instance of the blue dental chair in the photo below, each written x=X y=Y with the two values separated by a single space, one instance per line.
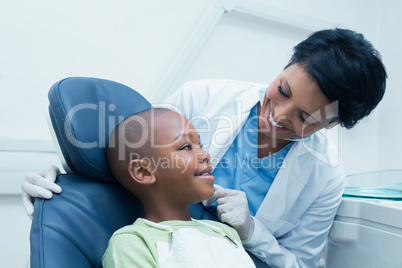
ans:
x=73 y=228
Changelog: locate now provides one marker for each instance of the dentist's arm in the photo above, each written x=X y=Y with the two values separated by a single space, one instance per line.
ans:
x=302 y=245
x=40 y=185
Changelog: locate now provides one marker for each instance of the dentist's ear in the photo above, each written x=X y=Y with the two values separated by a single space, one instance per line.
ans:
x=140 y=171
x=331 y=125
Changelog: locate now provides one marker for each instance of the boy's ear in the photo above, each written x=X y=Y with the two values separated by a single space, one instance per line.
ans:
x=140 y=172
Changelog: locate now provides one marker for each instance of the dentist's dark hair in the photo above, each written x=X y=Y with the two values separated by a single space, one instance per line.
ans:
x=347 y=68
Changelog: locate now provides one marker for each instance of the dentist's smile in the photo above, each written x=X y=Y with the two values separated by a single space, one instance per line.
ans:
x=273 y=123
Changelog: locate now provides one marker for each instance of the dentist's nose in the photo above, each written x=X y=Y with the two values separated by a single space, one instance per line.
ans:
x=282 y=113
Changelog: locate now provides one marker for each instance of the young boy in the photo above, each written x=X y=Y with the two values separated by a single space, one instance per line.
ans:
x=157 y=156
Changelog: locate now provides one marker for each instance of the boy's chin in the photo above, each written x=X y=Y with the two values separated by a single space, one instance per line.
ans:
x=211 y=194
x=205 y=195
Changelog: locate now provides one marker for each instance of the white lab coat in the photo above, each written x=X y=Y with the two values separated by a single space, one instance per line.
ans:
x=293 y=221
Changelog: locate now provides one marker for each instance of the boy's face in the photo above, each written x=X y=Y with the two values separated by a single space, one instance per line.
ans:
x=182 y=169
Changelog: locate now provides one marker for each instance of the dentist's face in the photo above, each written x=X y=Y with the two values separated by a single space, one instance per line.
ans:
x=294 y=106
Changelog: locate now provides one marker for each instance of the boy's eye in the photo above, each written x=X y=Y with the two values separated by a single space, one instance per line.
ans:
x=201 y=145
x=187 y=147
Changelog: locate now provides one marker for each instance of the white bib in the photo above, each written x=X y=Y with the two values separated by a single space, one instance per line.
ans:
x=192 y=248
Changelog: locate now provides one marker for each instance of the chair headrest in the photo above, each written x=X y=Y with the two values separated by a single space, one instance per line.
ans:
x=83 y=113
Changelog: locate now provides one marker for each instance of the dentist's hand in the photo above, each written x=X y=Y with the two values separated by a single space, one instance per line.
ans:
x=39 y=185
x=232 y=207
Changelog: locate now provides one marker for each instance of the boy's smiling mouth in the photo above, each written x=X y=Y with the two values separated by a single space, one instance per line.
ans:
x=205 y=174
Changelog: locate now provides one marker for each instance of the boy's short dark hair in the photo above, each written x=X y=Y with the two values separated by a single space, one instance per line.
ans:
x=347 y=68
x=120 y=152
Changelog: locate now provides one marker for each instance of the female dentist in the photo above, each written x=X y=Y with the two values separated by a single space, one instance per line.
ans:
x=279 y=179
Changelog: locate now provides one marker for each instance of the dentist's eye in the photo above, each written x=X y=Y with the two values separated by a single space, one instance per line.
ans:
x=280 y=89
x=302 y=118
x=306 y=121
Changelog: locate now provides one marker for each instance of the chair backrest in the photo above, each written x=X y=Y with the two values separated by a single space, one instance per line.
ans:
x=73 y=228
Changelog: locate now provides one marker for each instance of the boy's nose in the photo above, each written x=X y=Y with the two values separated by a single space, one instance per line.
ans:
x=204 y=157
x=206 y=160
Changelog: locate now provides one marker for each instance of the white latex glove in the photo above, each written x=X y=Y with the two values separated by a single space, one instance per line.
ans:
x=232 y=208
x=39 y=185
